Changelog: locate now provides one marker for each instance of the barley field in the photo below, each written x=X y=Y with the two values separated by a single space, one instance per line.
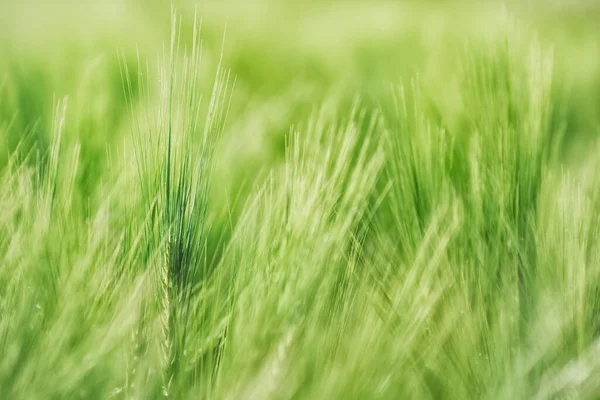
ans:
x=267 y=199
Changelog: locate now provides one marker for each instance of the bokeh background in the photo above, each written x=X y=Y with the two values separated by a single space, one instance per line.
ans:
x=287 y=56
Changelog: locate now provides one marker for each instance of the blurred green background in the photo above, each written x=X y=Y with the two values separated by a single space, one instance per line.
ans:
x=289 y=57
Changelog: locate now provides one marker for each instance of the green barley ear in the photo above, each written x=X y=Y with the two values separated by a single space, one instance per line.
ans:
x=58 y=125
x=174 y=155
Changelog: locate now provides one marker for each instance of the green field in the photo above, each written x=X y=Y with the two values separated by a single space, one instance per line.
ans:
x=262 y=199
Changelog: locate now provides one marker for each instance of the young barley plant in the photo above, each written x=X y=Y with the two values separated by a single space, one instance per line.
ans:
x=435 y=242
x=174 y=153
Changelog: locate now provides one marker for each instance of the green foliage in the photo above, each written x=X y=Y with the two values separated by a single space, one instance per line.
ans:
x=308 y=233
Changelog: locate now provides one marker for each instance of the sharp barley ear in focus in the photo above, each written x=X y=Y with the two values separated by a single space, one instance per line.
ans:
x=175 y=156
x=340 y=200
